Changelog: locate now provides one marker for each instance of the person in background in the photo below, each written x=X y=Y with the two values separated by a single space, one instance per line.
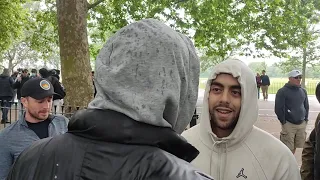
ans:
x=55 y=73
x=309 y=149
x=258 y=81
x=292 y=110
x=20 y=80
x=58 y=89
x=6 y=94
x=36 y=123
x=33 y=73
x=14 y=77
x=265 y=83
x=131 y=130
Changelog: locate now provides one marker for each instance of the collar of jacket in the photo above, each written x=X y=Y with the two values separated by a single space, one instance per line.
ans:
x=111 y=126
x=23 y=121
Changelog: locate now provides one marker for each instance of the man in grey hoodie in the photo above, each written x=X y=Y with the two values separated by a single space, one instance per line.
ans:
x=292 y=109
x=147 y=79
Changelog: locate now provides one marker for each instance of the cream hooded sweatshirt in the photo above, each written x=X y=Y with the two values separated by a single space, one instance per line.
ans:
x=248 y=153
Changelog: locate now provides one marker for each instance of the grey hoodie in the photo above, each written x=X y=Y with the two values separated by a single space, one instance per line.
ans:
x=150 y=73
x=248 y=153
x=292 y=104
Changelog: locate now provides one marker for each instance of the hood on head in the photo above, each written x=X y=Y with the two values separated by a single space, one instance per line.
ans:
x=150 y=73
x=249 y=101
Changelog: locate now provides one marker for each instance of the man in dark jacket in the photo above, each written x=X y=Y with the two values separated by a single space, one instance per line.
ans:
x=292 y=109
x=58 y=89
x=19 y=81
x=6 y=94
x=265 y=83
x=147 y=79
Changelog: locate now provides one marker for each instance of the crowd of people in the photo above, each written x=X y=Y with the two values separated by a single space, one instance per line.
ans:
x=146 y=87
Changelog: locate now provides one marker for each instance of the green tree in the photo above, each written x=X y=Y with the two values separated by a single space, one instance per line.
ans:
x=258 y=66
x=12 y=20
x=219 y=28
x=17 y=54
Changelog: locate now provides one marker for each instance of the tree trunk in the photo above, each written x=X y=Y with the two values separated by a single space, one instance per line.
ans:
x=10 y=66
x=74 y=52
x=304 y=66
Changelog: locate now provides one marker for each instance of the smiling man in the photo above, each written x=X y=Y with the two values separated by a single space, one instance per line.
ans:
x=292 y=109
x=37 y=123
x=230 y=146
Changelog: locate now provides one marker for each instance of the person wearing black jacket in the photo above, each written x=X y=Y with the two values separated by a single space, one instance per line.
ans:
x=19 y=81
x=6 y=94
x=292 y=109
x=147 y=79
x=58 y=89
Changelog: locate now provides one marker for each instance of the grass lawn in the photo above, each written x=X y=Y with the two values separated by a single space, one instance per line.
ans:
x=277 y=83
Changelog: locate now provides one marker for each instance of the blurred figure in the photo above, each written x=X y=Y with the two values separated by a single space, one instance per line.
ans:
x=147 y=78
x=14 y=77
x=58 y=89
x=55 y=73
x=6 y=94
x=230 y=146
x=33 y=73
x=35 y=124
x=309 y=151
x=20 y=80
x=258 y=81
x=265 y=83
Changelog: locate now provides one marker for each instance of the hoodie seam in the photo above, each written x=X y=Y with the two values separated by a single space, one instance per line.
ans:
x=245 y=143
x=203 y=141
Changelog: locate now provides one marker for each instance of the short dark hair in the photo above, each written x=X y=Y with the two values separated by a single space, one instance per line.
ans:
x=34 y=70
x=25 y=70
x=263 y=70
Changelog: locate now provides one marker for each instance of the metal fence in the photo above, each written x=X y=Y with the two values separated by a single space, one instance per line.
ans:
x=275 y=86
x=15 y=110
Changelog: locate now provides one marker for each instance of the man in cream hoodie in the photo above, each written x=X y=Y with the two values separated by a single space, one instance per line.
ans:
x=230 y=146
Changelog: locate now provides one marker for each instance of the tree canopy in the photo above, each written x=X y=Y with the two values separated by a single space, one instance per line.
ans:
x=12 y=22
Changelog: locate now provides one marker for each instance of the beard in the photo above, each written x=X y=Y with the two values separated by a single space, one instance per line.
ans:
x=223 y=124
x=36 y=116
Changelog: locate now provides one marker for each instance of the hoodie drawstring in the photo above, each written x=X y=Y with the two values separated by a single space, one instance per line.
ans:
x=220 y=174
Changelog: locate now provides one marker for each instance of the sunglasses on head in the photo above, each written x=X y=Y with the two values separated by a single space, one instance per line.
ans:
x=298 y=77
